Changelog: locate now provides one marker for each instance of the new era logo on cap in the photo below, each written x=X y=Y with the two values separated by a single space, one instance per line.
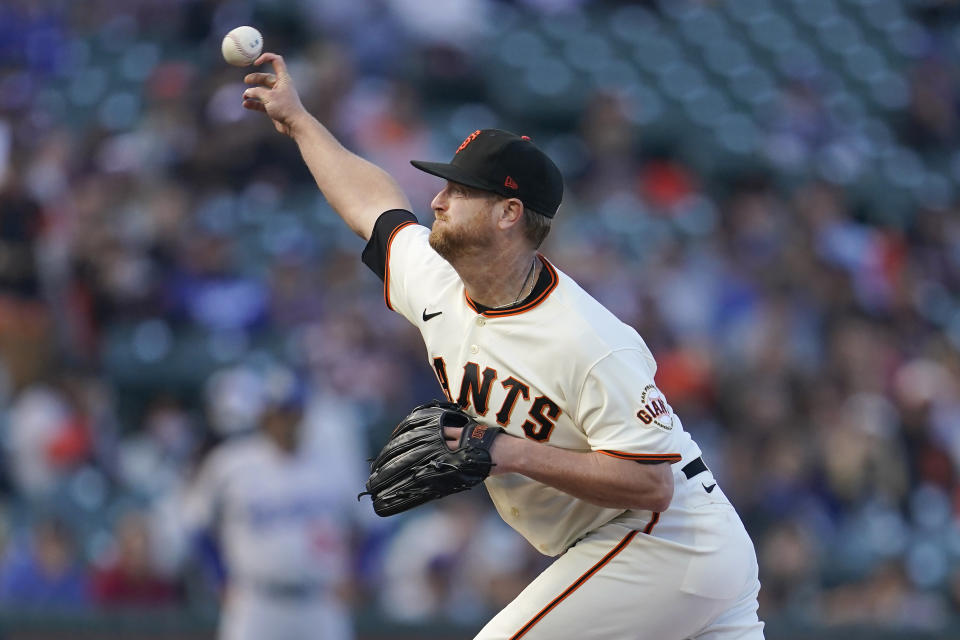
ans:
x=505 y=163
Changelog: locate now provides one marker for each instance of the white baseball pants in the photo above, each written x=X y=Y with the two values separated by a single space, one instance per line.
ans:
x=619 y=583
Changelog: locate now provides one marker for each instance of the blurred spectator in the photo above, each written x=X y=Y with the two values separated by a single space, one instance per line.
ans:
x=151 y=460
x=20 y=227
x=39 y=424
x=455 y=560
x=210 y=293
x=25 y=323
x=293 y=283
x=800 y=126
x=887 y=598
x=129 y=577
x=44 y=570
x=57 y=428
x=931 y=121
x=789 y=560
x=611 y=164
x=385 y=121
x=456 y=23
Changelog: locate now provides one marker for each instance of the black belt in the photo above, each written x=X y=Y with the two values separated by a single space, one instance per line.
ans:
x=694 y=467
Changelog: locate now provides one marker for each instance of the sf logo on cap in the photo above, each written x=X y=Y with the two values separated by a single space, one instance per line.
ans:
x=470 y=138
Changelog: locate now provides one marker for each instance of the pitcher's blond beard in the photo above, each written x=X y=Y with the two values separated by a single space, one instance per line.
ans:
x=464 y=240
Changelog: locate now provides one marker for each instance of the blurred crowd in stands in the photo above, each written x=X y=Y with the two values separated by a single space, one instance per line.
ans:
x=159 y=247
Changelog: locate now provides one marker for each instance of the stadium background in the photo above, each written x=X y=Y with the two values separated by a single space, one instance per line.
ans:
x=766 y=189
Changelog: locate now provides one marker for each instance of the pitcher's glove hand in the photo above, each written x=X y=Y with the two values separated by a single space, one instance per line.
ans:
x=417 y=466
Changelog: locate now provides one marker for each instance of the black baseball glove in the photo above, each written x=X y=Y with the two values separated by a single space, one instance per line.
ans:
x=417 y=466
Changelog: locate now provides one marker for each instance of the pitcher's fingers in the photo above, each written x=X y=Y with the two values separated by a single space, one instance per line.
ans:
x=254 y=105
x=452 y=436
x=278 y=64
x=255 y=93
x=265 y=79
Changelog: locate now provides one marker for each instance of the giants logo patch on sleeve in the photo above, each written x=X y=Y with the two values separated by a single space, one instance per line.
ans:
x=655 y=410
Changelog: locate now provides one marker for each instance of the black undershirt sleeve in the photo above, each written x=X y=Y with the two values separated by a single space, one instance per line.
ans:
x=375 y=253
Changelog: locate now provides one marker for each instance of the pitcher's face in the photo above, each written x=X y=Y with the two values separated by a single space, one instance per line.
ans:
x=463 y=221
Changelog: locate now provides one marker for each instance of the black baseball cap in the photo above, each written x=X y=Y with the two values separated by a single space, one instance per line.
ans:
x=505 y=163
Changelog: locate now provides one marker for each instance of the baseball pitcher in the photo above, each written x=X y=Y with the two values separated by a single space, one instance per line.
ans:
x=546 y=391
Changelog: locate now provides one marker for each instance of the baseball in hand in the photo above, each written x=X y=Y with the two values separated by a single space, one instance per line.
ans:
x=242 y=46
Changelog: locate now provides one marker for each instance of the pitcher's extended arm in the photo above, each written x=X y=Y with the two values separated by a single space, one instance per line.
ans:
x=358 y=190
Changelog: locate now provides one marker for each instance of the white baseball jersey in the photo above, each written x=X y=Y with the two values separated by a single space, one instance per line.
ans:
x=282 y=518
x=558 y=368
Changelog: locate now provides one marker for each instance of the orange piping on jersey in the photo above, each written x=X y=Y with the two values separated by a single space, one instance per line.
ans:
x=653 y=521
x=502 y=313
x=386 y=266
x=579 y=582
x=648 y=458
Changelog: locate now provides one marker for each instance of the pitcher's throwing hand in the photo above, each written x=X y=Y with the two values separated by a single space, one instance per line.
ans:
x=274 y=94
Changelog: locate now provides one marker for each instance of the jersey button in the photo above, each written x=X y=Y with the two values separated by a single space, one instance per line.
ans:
x=515 y=512
x=474 y=349
x=481 y=321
